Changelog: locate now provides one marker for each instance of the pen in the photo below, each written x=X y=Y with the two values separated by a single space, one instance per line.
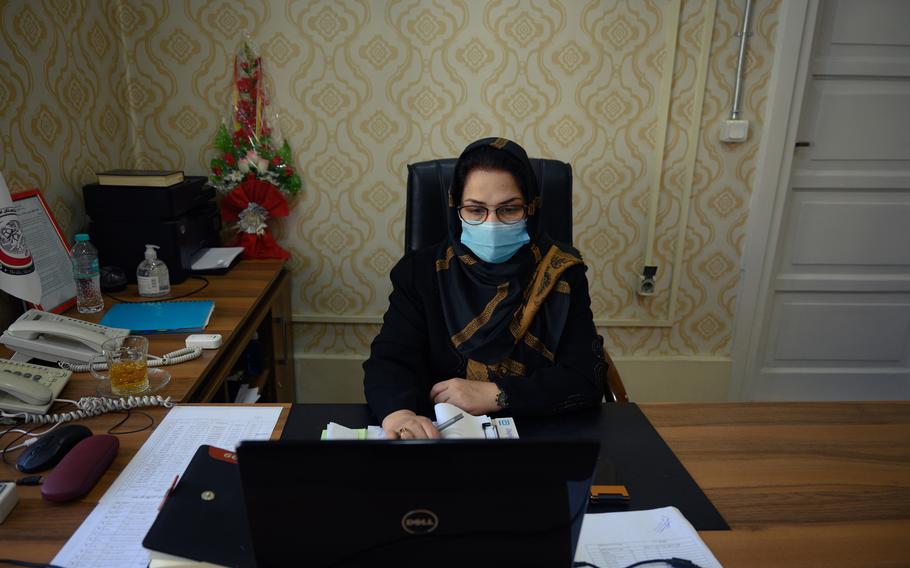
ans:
x=443 y=425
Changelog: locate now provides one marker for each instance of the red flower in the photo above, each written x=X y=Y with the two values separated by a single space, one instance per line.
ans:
x=276 y=160
x=216 y=170
x=229 y=159
x=246 y=113
x=244 y=85
x=289 y=171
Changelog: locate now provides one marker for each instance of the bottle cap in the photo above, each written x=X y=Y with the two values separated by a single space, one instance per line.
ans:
x=150 y=253
x=81 y=237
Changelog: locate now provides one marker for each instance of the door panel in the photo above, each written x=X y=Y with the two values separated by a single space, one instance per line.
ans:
x=849 y=231
x=837 y=330
x=873 y=113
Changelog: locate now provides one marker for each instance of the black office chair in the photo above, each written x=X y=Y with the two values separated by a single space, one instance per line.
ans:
x=425 y=218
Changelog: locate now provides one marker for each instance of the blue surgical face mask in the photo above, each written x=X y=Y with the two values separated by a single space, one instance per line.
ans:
x=495 y=242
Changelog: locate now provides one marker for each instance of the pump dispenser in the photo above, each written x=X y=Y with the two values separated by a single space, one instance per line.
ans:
x=152 y=275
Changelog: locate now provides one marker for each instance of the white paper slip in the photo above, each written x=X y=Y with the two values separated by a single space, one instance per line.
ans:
x=615 y=540
x=112 y=534
x=214 y=258
x=473 y=426
x=466 y=427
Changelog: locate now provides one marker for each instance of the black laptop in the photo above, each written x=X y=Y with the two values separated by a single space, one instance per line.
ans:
x=416 y=503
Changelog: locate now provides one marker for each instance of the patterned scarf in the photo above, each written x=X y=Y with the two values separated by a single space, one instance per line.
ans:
x=505 y=318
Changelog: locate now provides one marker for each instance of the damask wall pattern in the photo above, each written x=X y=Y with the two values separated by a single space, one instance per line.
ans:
x=363 y=88
x=63 y=100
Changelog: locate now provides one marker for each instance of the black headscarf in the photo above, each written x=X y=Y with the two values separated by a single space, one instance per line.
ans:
x=505 y=318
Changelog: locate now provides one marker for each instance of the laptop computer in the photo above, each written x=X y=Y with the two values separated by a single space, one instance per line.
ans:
x=416 y=503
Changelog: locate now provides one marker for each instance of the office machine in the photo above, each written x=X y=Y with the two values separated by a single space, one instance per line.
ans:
x=180 y=219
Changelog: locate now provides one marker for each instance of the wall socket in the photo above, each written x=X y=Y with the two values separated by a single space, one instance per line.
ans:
x=646 y=283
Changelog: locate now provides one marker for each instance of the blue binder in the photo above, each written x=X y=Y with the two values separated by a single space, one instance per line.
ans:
x=160 y=317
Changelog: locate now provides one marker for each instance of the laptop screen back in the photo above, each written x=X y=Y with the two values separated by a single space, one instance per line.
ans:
x=416 y=503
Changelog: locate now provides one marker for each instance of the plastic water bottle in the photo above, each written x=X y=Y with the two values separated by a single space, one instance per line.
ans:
x=87 y=275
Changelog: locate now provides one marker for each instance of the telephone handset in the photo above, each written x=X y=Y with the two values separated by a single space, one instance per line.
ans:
x=48 y=336
x=26 y=390
x=34 y=328
x=25 y=387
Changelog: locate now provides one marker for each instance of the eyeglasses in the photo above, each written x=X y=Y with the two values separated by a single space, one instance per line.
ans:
x=507 y=214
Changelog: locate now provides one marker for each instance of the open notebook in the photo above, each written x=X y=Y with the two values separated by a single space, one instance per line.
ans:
x=468 y=427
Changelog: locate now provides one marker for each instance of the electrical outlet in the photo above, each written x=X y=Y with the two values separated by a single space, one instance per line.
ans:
x=646 y=283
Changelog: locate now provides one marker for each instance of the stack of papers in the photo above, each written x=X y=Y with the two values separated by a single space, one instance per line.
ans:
x=615 y=540
x=111 y=536
x=468 y=427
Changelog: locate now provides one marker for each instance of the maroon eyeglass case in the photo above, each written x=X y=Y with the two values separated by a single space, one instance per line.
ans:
x=80 y=469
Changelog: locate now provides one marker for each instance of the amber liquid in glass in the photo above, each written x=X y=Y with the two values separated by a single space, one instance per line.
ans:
x=129 y=377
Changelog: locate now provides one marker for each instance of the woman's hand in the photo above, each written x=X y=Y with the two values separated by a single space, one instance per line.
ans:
x=406 y=425
x=474 y=397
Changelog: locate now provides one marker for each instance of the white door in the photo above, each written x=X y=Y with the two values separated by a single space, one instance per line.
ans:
x=836 y=323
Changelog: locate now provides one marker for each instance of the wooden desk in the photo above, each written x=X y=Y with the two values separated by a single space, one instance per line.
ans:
x=36 y=530
x=254 y=295
x=801 y=484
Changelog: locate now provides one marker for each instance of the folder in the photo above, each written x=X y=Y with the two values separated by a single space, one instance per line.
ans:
x=160 y=317
x=202 y=518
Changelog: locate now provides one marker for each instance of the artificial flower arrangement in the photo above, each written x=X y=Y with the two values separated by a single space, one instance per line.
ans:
x=252 y=166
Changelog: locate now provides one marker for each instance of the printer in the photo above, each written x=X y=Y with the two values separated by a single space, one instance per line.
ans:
x=180 y=219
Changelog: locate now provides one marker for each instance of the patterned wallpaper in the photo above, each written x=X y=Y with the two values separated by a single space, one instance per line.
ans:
x=365 y=87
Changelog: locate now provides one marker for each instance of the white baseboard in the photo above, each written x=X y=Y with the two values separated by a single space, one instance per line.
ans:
x=675 y=379
x=325 y=378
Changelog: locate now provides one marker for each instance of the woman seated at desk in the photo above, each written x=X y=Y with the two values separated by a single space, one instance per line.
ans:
x=497 y=317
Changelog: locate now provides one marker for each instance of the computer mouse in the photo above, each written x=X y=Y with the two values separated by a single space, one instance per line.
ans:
x=51 y=447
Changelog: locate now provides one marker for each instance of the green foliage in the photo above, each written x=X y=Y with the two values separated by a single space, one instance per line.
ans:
x=223 y=142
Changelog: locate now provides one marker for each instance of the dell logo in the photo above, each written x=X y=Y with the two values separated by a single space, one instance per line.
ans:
x=419 y=521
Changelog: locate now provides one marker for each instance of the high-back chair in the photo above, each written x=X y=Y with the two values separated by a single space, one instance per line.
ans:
x=425 y=218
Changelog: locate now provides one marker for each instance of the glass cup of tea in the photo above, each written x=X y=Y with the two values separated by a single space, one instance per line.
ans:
x=127 y=364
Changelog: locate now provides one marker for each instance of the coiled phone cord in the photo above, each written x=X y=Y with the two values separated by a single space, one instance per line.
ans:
x=172 y=358
x=91 y=406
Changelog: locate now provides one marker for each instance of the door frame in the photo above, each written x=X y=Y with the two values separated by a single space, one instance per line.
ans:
x=789 y=76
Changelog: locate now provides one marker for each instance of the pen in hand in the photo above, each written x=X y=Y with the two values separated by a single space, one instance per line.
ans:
x=443 y=425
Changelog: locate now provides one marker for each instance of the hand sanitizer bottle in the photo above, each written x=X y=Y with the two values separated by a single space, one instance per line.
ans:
x=152 y=275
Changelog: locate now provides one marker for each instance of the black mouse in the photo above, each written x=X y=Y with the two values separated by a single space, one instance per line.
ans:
x=50 y=448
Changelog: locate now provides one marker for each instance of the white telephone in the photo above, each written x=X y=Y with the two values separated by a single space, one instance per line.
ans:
x=30 y=388
x=47 y=336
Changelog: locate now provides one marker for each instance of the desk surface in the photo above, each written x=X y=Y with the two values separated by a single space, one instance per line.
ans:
x=801 y=484
x=236 y=294
x=36 y=529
